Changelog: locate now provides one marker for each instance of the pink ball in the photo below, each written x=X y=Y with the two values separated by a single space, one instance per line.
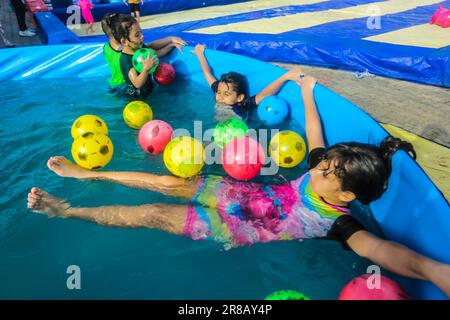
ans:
x=358 y=289
x=154 y=136
x=243 y=158
x=164 y=74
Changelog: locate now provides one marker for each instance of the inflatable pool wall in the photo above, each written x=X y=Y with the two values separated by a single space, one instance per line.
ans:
x=412 y=211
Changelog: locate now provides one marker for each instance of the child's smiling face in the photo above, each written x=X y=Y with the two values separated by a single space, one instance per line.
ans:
x=227 y=95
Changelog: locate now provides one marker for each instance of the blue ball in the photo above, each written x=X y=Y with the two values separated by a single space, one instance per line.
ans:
x=273 y=110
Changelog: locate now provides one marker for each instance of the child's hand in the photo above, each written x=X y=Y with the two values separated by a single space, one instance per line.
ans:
x=178 y=43
x=307 y=83
x=178 y=40
x=294 y=74
x=199 y=50
x=179 y=47
x=149 y=63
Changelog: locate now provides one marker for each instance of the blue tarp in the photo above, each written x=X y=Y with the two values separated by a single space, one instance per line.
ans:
x=337 y=44
x=412 y=211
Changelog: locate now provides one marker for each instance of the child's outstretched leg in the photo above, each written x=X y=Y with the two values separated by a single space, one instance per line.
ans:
x=167 y=217
x=167 y=185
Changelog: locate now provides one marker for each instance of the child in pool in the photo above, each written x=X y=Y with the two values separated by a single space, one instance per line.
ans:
x=135 y=10
x=112 y=50
x=231 y=90
x=128 y=32
x=243 y=213
x=86 y=6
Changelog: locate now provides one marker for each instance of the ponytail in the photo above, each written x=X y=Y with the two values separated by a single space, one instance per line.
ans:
x=390 y=145
x=108 y=23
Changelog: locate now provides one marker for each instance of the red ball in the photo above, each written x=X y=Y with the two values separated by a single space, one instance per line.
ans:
x=359 y=289
x=243 y=158
x=154 y=136
x=164 y=74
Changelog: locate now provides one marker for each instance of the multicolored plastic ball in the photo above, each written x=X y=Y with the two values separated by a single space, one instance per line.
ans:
x=227 y=130
x=164 y=74
x=88 y=123
x=286 y=295
x=184 y=156
x=273 y=110
x=287 y=149
x=92 y=150
x=139 y=57
x=243 y=158
x=363 y=288
x=137 y=113
x=154 y=136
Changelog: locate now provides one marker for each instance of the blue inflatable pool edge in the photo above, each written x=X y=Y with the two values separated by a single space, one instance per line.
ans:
x=412 y=211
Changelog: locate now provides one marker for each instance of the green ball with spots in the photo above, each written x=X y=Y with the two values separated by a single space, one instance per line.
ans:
x=139 y=57
x=227 y=130
x=286 y=295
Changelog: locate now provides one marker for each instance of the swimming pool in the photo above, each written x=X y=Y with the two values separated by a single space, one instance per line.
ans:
x=135 y=263
x=37 y=250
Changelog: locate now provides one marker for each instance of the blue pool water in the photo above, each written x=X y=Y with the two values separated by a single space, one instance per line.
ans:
x=116 y=263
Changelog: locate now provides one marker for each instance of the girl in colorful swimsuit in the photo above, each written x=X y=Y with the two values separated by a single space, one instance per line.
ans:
x=86 y=6
x=244 y=213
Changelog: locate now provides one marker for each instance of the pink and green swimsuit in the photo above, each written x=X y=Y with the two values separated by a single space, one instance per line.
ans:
x=243 y=213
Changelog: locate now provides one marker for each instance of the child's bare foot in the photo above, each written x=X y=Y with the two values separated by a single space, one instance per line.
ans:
x=65 y=168
x=43 y=202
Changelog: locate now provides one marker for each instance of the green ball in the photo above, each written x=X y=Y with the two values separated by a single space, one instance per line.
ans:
x=229 y=129
x=139 y=57
x=286 y=295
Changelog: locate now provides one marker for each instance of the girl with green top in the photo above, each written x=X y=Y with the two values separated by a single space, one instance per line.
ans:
x=112 y=50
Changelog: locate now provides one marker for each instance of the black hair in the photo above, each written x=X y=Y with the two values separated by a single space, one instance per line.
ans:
x=237 y=80
x=108 y=22
x=122 y=27
x=364 y=169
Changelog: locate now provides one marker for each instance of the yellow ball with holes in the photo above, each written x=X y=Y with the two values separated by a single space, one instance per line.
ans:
x=287 y=149
x=88 y=123
x=137 y=113
x=92 y=150
x=184 y=156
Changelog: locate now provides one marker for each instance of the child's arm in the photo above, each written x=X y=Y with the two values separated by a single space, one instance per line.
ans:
x=200 y=53
x=139 y=80
x=314 y=134
x=397 y=258
x=165 y=50
x=275 y=86
x=161 y=43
